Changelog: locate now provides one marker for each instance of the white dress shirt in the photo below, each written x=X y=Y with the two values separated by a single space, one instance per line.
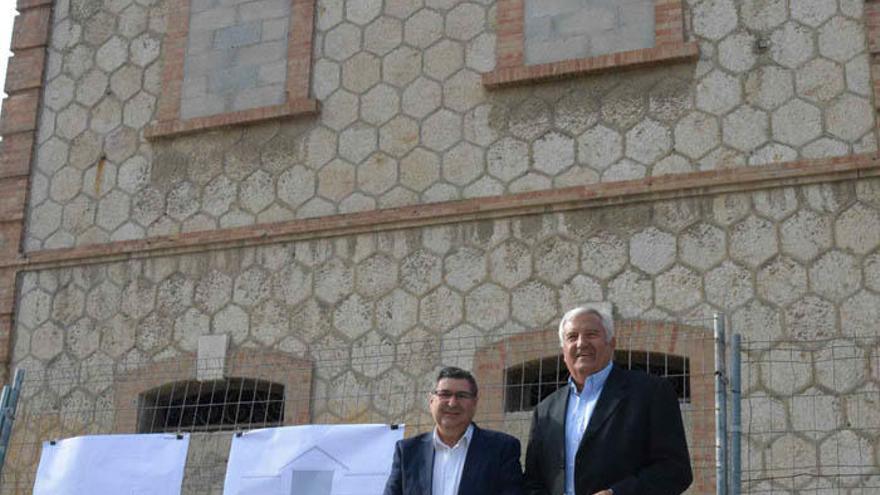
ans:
x=449 y=463
x=577 y=417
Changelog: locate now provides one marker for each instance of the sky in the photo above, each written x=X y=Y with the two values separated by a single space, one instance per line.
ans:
x=7 y=15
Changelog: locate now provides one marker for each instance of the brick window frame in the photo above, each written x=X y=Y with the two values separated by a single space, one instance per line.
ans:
x=294 y=374
x=670 y=46
x=299 y=65
x=694 y=343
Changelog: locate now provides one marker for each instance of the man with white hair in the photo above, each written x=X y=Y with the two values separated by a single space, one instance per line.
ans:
x=611 y=431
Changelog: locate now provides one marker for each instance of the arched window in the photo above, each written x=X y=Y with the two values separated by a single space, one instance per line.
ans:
x=215 y=405
x=528 y=383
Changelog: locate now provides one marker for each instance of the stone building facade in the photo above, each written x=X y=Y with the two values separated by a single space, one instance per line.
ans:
x=380 y=187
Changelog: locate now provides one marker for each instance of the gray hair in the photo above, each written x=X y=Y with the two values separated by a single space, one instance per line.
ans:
x=601 y=311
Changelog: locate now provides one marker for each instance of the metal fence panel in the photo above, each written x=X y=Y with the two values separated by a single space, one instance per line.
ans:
x=383 y=381
x=811 y=416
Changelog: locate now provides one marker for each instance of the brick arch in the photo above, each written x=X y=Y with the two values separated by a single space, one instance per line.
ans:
x=295 y=374
x=694 y=343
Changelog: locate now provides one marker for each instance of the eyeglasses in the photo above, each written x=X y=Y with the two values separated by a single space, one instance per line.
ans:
x=446 y=395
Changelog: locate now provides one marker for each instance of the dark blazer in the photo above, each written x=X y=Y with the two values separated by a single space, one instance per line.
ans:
x=491 y=466
x=633 y=444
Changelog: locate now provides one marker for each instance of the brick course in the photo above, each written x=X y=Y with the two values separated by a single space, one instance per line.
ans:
x=18 y=124
x=10 y=237
x=618 y=193
x=20 y=112
x=25 y=70
x=31 y=28
x=15 y=154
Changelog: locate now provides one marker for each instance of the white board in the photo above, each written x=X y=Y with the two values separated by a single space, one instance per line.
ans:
x=312 y=460
x=113 y=465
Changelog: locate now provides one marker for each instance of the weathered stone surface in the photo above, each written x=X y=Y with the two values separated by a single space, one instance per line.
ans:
x=728 y=286
x=835 y=275
x=652 y=250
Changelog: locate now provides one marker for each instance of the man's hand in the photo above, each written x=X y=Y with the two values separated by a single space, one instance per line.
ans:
x=605 y=492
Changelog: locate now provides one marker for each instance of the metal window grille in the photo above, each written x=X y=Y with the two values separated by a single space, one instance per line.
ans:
x=529 y=383
x=215 y=405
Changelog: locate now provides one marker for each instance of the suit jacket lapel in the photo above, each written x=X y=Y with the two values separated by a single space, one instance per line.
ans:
x=612 y=393
x=557 y=411
x=473 y=464
x=427 y=461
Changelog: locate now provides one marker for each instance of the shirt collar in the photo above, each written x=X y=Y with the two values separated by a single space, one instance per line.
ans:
x=464 y=441
x=594 y=382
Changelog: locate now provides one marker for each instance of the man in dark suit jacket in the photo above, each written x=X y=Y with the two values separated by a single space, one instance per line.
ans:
x=610 y=431
x=457 y=458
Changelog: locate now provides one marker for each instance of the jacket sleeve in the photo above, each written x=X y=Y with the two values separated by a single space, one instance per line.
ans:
x=394 y=485
x=510 y=473
x=668 y=471
x=534 y=475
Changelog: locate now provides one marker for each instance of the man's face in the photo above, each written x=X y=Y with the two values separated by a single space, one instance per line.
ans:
x=584 y=347
x=451 y=412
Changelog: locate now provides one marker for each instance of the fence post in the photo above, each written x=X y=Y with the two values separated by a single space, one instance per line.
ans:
x=8 y=405
x=736 y=415
x=720 y=407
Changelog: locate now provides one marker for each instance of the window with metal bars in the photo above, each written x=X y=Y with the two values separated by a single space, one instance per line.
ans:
x=528 y=383
x=215 y=405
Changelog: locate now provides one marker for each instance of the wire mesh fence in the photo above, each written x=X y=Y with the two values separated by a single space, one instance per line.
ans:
x=811 y=416
x=811 y=409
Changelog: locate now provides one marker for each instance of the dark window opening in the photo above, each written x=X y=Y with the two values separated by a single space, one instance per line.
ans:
x=215 y=405
x=529 y=383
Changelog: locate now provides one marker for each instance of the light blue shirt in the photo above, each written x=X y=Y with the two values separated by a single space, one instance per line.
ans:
x=577 y=417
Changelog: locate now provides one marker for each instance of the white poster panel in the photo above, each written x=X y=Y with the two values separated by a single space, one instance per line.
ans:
x=312 y=460
x=113 y=465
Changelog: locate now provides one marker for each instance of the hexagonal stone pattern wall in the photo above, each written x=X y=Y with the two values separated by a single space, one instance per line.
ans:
x=788 y=264
x=406 y=120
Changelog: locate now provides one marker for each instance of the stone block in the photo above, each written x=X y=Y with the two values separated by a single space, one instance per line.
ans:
x=211 y=359
x=197 y=6
x=538 y=28
x=262 y=53
x=237 y=36
x=539 y=8
x=264 y=9
x=275 y=29
x=199 y=42
x=273 y=73
x=554 y=50
x=258 y=97
x=620 y=41
x=594 y=19
x=637 y=17
x=232 y=80
x=212 y=19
